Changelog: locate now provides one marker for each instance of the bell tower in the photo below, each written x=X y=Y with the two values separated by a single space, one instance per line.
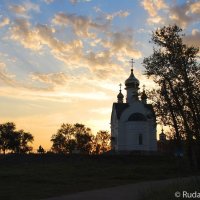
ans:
x=132 y=87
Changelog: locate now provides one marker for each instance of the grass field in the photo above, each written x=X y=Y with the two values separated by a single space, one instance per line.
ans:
x=41 y=176
x=170 y=192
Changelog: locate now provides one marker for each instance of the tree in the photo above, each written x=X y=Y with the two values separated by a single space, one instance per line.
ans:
x=15 y=141
x=59 y=143
x=83 y=138
x=84 y=142
x=70 y=137
x=6 y=132
x=174 y=67
x=41 y=150
x=25 y=138
x=102 y=142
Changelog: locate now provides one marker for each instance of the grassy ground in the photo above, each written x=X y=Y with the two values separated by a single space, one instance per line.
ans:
x=175 y=191
x=40 y=176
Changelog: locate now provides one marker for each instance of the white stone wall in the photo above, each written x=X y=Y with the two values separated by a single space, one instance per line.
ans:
x=114 y=130
x=127 y=132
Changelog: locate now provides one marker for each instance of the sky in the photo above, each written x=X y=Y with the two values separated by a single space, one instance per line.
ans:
x=61 y=61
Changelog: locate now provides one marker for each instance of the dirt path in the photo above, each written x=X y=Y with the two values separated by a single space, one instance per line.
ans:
x=125 y=192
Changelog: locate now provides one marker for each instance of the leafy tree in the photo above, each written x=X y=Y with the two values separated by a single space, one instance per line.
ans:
x=71 y=145
x=102 y=142
x=84 y=142
x=6 y=132
x=15 y=141
x=70 y=137
x=41 y=150
x=83 y=138
x=25 y=138
x=174 y=67
x=59 y=143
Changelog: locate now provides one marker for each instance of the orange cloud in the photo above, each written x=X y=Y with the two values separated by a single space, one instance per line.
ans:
x=5 y=21
x=81 y=25
x=153 y=6
x=52 y=78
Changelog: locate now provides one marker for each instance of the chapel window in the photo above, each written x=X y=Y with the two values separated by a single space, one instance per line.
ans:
x=140 y=138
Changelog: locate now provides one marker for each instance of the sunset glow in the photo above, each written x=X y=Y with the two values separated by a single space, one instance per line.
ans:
x=61 y=61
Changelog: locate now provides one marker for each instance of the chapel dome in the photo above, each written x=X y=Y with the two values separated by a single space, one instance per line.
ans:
x=120 y=95
x=132 y=81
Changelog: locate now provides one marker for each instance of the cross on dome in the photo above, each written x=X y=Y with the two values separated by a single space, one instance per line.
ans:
x=120 y=87
x=131 y=61
x=132 y=82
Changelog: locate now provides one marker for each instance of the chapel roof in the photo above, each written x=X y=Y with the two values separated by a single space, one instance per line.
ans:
x=120 y=107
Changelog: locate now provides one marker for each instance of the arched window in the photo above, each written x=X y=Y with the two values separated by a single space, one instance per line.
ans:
x=140 y=139
x=137 y=117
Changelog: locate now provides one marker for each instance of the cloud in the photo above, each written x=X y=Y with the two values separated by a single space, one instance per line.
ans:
x=31 y=6
x=155 y=20
x=48 y=1
x=185 y=14
x=21 y=32
x=24 y=8
x=118 y=46
x=18 y=9
x=79 y=1
x=55 y=96
x=36 y=37
x=193 y=39
x=58 y=87
x=100 y=64
x=74 y=1
x=122 y=43
x=81 y=25
x=111 y=16
x=9 y=80
x=195 y=7
x=153 y=6
x=5 y=21
x=117 y=14
x=5 y=77
x=181 y=14
x=52 y=78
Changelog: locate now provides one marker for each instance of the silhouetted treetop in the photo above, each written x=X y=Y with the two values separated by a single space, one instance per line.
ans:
x=175 y=68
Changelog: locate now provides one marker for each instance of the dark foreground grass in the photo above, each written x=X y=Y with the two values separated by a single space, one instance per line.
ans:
x=180 y=189
x=42 y=176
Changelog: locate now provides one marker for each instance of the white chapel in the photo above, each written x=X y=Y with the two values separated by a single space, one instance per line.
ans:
x=133 y=122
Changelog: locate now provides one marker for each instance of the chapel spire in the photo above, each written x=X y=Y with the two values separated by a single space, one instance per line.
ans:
x=132 y=86
x=120 y=96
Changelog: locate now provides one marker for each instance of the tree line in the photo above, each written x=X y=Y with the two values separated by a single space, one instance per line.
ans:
x=70 y=138
x=77 y=138
x=175 y=69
